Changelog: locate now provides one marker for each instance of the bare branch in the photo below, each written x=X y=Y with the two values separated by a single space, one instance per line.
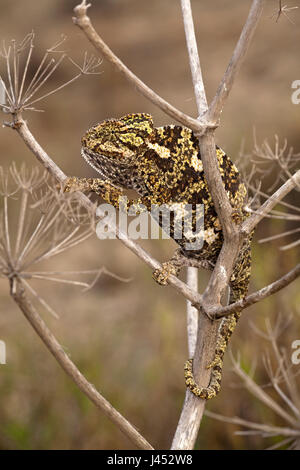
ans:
x=282 y=372
x=264 y=428
x=282 y=11
x=192 y=312
x=192 y=48
x=256 y=296
x=186 y=432
x=287 y=187
x=40 y=299
x=216 y=107
x=290 y=245
x=19 y=296
x=279 y=235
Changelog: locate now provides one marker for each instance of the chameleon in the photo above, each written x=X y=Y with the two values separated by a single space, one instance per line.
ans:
x=163 y=165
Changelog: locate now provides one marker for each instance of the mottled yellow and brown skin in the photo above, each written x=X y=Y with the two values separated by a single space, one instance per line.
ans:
x=163 y=165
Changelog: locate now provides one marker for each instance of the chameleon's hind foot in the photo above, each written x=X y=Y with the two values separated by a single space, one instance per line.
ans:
x=237 y=216
x=161 y=276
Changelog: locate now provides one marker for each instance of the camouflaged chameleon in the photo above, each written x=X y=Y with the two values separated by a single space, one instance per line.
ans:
x=163 y=165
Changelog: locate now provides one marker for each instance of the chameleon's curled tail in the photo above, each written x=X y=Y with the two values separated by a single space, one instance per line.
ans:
x=227 y=327
x=238 y=288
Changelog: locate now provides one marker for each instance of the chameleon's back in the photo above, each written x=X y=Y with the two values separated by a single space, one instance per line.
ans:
x=164 y=166
x=170 y=172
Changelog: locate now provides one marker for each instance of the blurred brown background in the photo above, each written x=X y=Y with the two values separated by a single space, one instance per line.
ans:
x=129 y=339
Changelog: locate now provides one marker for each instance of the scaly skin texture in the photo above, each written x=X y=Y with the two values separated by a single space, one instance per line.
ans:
x=163 y=165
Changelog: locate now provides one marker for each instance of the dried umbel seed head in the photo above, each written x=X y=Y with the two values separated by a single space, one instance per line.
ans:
x=17 y=92
x=37 y=223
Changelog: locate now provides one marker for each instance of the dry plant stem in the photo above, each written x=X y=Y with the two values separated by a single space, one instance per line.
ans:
x=216 y=107
x=219 y=279
x=192 y=48
x=193 y=408
x=19 y=296
x=24 y=132
x=83 y=21
x=201 y=101
x=254 y=219
x=258 y=392
x=188 y=424
x=257 y=296
x=264 y=428
x=192 y=312
x=232 y=234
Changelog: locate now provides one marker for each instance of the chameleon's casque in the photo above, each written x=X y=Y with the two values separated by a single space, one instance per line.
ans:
x=163 y=165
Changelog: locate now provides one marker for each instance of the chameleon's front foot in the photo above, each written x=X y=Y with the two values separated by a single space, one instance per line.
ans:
x=75 y=184
x=96 y=185
x=161 y=276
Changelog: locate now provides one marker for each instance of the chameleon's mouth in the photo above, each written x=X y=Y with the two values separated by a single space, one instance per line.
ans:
x=90 y=159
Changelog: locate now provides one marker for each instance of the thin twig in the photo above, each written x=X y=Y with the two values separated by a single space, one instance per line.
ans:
x=258 y=295
x=54 y=170
x=258 y=392
x=216 y=107
x=279 y=235
x=254 y=219
x=264 y=428
x=84 y=22
x=195 y=66
x=39 y=298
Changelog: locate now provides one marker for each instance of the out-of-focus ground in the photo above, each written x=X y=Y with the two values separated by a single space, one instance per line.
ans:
x=129 y=338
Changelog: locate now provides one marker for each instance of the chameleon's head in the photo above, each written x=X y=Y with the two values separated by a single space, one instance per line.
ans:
x=112 y=146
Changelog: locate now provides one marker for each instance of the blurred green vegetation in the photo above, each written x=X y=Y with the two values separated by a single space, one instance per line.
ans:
x=129 y=338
